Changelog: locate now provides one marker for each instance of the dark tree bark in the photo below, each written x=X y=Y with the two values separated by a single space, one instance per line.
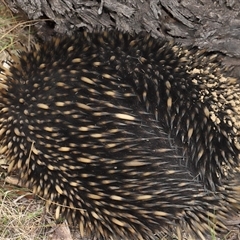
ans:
x=214 y=25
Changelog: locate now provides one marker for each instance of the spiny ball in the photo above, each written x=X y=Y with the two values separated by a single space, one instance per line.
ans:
x=125 y=135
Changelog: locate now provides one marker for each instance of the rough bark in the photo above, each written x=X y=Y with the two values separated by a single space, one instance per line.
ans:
x=214 y=25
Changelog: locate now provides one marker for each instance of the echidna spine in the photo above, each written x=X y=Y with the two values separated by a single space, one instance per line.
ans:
x=115 y=130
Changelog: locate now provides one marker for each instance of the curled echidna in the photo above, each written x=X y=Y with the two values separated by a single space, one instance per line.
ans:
x=125 y=135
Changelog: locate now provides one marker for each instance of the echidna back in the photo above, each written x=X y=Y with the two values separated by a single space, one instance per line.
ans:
x=104 y=126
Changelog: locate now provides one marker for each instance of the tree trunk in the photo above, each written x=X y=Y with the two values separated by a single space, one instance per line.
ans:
x=214 y=25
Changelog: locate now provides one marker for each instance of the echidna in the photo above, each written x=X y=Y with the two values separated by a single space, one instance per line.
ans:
x=126 y=135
